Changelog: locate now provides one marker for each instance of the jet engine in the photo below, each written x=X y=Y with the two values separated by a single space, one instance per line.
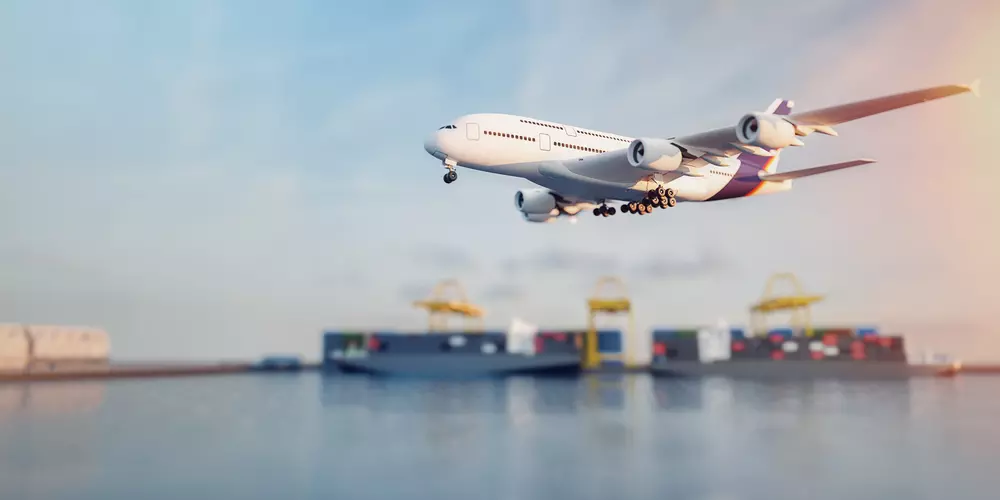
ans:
x=657 y=155
x=538 y=217
x=766 y=131
x=535 y=201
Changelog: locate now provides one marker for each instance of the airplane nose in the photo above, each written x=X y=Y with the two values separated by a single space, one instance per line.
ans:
x=431 y=144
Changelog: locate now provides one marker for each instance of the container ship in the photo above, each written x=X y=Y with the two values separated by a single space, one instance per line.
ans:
x=455 y=354
x=788 y=354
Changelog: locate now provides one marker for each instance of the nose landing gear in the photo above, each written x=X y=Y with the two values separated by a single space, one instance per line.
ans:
x=451 y=175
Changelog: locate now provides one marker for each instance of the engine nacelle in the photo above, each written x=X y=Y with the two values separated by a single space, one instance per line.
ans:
x=538 y=218
x=535 y=201
x=657 y=155
x=766 y=131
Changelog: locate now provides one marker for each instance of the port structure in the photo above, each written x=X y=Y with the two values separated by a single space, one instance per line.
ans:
x=439 y=308
x=600 y=304
x=798 y=304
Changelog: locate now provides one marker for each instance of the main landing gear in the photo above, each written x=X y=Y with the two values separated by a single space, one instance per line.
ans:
x=660 y=197
x=604 y=211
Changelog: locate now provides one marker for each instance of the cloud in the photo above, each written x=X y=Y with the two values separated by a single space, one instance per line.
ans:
x=657 y=264
x=444 y=258
x=702 y=264
x=559 y=260
x=414 y=291
x=502 y=292
x=232 y=180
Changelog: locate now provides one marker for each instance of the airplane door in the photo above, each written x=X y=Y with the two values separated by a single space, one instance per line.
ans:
x=472 y=131
x=544 y=142
x=570 y=131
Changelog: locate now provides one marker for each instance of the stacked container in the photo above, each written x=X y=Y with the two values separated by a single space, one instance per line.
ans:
x=15 y=350
x=59 y=348
x=484 y=349
x=675 y=345
x=610 y=347
x=609 y=342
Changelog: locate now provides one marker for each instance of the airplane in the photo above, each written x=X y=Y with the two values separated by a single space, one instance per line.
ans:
x=580 y=168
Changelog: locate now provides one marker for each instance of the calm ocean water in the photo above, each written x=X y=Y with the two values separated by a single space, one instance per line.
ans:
x=353 y=438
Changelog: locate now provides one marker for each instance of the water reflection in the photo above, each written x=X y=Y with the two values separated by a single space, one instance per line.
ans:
x=50 y=398
x=503 y=395
x=68 y=448
x=610 y=392
x=304 y=436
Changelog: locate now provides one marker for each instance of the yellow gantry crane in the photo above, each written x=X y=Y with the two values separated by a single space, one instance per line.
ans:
x=599 y=304
x=797 y=304
x=439 y=307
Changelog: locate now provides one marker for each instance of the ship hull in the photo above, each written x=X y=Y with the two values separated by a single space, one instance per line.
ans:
x=460 y=365
x=798 y=370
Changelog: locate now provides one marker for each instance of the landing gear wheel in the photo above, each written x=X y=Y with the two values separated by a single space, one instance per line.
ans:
x=671 y=201
x=447 y=180
x=633 y=207
x=654 y=200
x=611 y=210
x=625 y=209
x=450 y=177
x=597 y=212
x=661 y=192
x=642 y=209
x=669 y=193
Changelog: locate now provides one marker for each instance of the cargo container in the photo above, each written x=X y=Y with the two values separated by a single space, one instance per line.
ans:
x=14 y=348
x=832 y=355
x=452 y=354
x=609 y=341
x=781 y=333
x=673 y=344
x=68 y=343
x=866 y=331
x=676 y=332
x=833 y=331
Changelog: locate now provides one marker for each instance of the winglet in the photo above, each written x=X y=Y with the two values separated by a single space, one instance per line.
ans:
x=974 y=87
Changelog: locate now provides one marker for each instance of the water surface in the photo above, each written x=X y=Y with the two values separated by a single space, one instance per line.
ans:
x=601 y=437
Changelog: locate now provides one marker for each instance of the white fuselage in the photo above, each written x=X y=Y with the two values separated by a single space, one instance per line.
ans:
x=546 y=153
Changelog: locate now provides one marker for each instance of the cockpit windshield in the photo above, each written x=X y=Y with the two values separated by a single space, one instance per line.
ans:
x=447 y=126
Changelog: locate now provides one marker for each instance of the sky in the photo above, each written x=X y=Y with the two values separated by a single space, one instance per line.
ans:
x=225 y=179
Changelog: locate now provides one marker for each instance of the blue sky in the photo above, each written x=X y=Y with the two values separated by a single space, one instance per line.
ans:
x=223 y=179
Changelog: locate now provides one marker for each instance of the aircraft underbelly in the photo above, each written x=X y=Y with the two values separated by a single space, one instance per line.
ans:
x=566 y=182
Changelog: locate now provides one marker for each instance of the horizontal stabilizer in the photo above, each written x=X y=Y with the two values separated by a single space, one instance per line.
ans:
x=806 y=172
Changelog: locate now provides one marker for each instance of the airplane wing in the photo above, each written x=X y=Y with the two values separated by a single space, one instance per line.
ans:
x=724 y=142
x=717 y=147
x=806 y=172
